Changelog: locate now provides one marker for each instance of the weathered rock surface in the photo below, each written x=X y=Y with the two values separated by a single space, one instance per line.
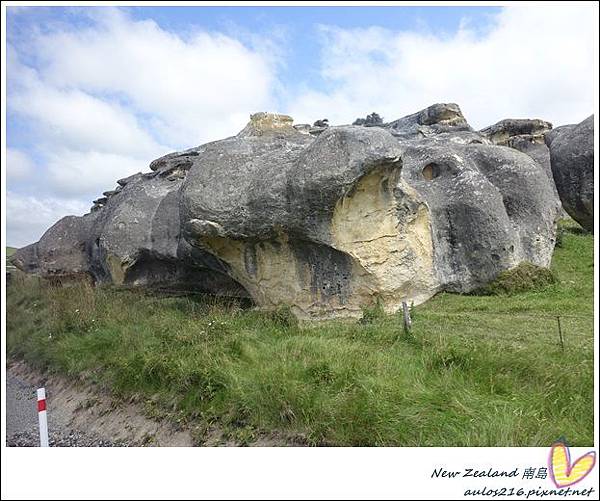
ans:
x=526 y=135
x=329 y=224
x=504 y=131
x=325 y=222
x=132 y=240
x=437 y=118
x=572 y=160
x=490 y=209
x=62 y=251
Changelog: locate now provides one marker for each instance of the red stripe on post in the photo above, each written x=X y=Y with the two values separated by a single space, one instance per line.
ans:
x=41 y=405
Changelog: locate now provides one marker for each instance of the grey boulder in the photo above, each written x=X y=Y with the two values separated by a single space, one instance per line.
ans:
x=572 y=161
x=525 y=135
x=62 y=252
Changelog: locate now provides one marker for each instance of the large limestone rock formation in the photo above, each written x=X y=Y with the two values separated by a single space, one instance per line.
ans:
x=326 y=223
x=572 y=159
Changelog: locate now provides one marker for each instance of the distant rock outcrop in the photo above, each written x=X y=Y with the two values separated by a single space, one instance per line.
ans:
x=436 y=119
x=62 y=251
x=572 y=160
x=372 y=120
x=326 y=222
x=526 y=135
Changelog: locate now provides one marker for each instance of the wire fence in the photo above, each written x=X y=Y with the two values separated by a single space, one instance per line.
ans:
x=512 y=313
x=553 y=316
x=564 y=325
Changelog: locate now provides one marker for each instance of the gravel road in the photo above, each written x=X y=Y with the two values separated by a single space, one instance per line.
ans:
x=22 y=421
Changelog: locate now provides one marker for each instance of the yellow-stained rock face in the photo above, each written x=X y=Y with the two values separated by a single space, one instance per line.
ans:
x=264 y=123
x=265 y=269
x=396 y=256
x=372 y=256
x=116 y=269
x=276 y=274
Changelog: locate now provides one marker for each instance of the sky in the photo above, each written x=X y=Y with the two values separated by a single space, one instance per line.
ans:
x=96 y=93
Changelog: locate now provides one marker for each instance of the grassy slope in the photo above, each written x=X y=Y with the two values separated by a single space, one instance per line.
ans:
x=477 y=371
x=10 y=251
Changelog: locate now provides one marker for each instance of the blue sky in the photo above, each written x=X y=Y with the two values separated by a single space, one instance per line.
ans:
x=95 y=94
x=297 y=28
x=298 y=23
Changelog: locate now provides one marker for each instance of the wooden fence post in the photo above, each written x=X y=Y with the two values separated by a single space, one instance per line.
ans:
x=560 y=336
x=406 y=315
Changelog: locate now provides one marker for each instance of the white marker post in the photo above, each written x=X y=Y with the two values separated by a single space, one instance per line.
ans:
x=41 y=404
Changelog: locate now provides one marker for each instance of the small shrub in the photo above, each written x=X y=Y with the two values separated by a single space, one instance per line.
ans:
x=525 y=277
x=243 y=436
x=372 y=313
x=283 y=317
x=371 y=120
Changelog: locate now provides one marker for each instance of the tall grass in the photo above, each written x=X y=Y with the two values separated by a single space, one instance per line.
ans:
x=476 y=371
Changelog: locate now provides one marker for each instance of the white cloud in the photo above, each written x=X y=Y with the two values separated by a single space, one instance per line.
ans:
x=75 y=119
x=104 y=100
x=28 y=216
x=534 y=62
x=195 y=89
x=18 y=164
x=76 y=173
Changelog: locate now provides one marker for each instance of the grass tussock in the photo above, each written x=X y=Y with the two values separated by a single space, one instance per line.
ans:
x=524 y=277
x=476 y=370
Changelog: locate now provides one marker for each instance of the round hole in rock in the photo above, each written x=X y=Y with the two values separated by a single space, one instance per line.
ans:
x=431 y=171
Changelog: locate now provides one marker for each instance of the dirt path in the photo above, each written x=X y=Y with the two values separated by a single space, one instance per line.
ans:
x=78 y=415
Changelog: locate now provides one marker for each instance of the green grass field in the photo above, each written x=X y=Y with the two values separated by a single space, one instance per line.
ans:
x=476 y=370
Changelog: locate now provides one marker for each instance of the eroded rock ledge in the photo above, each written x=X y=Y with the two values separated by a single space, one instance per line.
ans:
x=325 y=222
